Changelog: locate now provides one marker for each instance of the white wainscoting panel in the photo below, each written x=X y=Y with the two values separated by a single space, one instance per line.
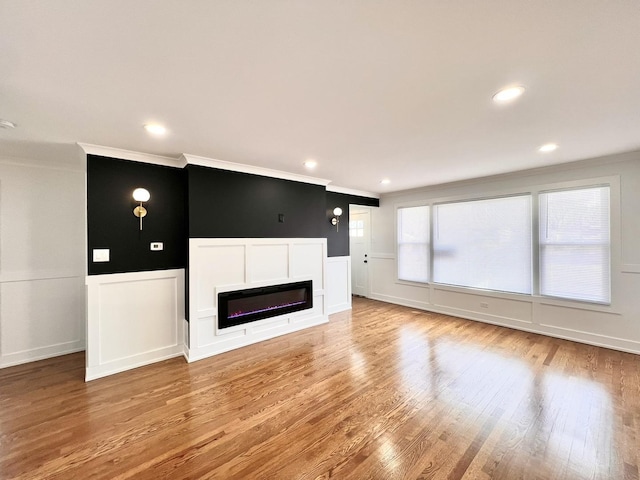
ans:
x=268 y=263
x=493 y=308
x=219 y=264
x=308 y=260
x=133 y=319
x=338 y=284
x=226 y=264
x=383 y=267
x=41 y=318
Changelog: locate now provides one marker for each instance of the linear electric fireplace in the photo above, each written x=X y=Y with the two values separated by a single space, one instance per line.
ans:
x=244 y=306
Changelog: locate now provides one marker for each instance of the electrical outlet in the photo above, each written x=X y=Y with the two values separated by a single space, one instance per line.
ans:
x=484 y=305
x=155 y=246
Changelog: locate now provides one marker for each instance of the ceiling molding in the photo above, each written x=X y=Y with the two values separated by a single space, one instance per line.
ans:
x=242 y=168
x=187 y=159
x=351 y=191
x=130 y=155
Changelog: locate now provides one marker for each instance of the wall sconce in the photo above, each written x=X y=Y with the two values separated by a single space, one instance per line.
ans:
x=336 y=219
x=141 y=195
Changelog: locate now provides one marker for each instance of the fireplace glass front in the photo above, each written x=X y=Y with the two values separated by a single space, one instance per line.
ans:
x=244 y=306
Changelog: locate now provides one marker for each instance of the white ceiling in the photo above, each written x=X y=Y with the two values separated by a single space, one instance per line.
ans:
x=370 y=89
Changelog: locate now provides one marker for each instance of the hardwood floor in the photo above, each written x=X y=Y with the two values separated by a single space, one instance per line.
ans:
x=385 y=392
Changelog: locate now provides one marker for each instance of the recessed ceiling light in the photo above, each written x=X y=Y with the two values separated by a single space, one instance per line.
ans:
x=310 y=164
x=155 y=129
x=385 y=181
x=6 y=124
x=508 y=94
x=548 y=147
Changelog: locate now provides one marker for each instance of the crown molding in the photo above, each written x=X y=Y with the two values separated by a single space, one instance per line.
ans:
x=188 y=159
x=351 y=191
x=130 y=155
x=242 y=168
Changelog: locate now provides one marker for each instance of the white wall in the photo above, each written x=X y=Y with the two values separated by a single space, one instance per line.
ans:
x=42 y=254
x=338 y=284
x=616 y=326
x=226 y=264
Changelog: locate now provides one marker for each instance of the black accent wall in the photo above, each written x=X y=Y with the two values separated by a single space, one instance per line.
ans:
x=201 y=202
x=226 y=204
x=338 y=241
x=111 y=223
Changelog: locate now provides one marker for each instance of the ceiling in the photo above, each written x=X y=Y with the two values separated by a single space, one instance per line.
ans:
x=369 y=89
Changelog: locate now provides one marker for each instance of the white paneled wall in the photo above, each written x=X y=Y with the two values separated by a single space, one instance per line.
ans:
x=42 y=256
x=133 y=319
x=338 y=284
x=615 y=326
x=225 y=264
x=41 y=318
x=382 y=275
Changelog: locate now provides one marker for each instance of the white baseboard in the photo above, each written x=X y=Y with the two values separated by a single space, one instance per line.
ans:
x=400 y=301
x=33 y=355
x=339 y=308
x=99 y=371
x=597 y=340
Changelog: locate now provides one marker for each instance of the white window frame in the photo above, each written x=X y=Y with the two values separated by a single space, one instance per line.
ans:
x=613 y=182
x=429 y=250
x=610 y=245
x=615 y=267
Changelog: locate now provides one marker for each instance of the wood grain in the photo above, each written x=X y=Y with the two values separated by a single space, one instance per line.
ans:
x=382 y=392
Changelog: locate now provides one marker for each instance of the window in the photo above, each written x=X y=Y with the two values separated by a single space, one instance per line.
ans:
x=488 y=243
x=575 y=244
x=484 y=244
x=356 y=228
x=413 y=244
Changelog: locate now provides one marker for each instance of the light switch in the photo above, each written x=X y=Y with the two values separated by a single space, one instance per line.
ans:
x=100 y=255
x=157 y=246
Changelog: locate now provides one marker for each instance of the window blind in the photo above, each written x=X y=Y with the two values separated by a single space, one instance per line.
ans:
x=413 y=244
x=484 y=244
x=575 y=244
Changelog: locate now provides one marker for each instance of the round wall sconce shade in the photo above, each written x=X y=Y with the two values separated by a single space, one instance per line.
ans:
x=336 y=219
x=141 y=195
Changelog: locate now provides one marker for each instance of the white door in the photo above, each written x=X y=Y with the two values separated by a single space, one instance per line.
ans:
x=359 y=246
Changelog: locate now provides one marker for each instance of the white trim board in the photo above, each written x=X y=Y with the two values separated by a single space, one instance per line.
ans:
x=130 y=155
x=351 y=191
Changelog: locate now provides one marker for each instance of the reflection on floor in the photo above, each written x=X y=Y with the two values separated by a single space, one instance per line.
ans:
x=380 y=392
